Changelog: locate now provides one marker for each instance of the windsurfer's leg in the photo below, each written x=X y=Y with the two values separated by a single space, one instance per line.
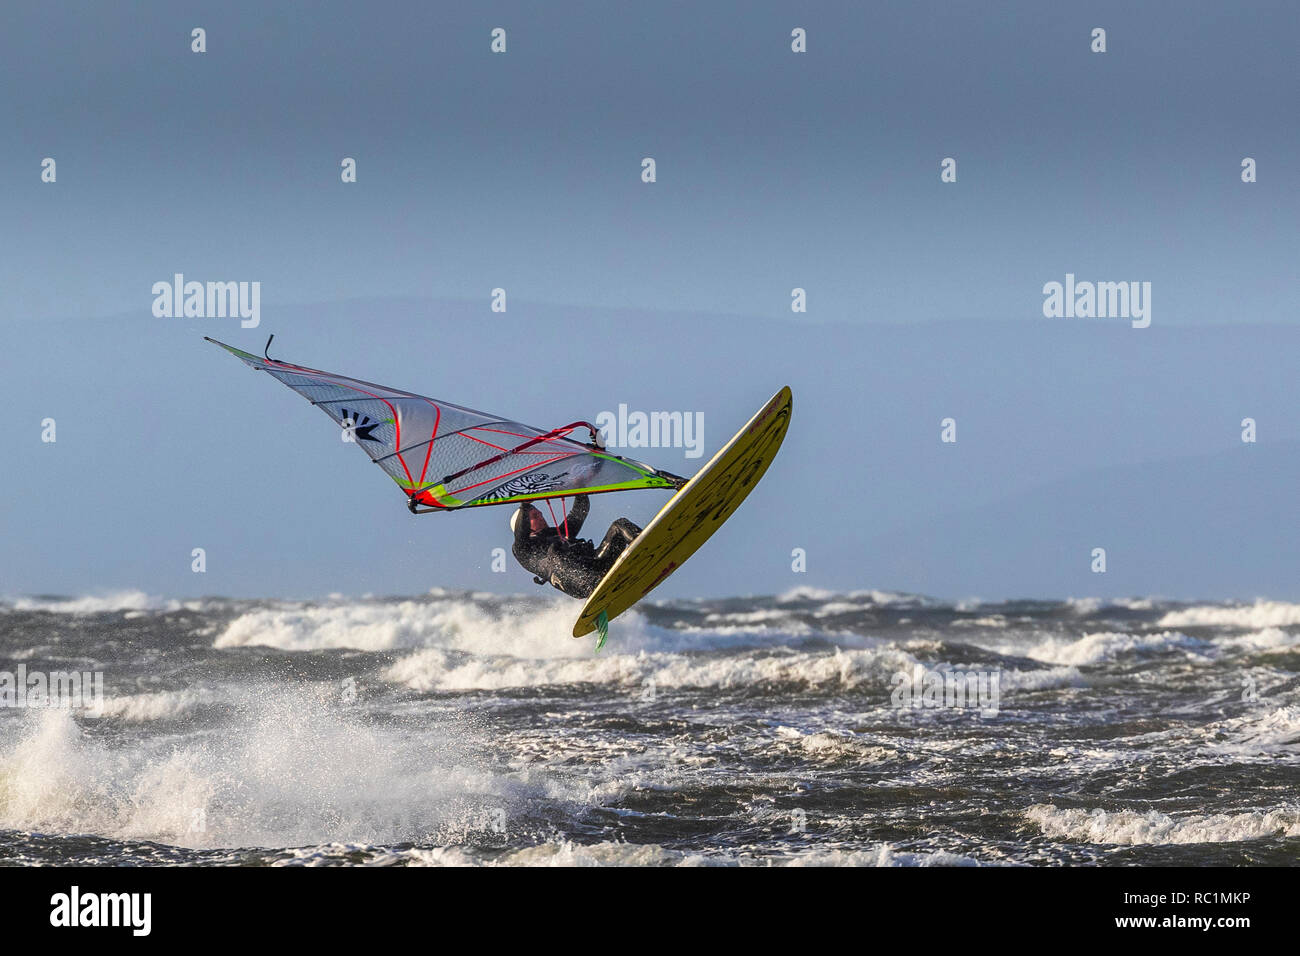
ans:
x=620 y=534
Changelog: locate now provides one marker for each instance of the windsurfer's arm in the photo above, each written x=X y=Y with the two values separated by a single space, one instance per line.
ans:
x=577 y=515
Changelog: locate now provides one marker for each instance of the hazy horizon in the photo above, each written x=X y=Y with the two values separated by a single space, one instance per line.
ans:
x=913 y=522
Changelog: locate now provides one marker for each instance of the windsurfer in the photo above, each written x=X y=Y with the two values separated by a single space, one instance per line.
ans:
x=557 y=556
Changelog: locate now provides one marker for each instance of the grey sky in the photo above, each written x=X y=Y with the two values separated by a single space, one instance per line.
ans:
x=775 y=170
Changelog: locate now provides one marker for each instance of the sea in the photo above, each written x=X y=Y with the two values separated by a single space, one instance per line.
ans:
x=810 y=728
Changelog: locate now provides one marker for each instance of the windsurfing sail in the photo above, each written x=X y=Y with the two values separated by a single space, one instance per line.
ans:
x=447 y=457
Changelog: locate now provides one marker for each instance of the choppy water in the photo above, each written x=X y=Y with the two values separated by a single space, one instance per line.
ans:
x=460 y=728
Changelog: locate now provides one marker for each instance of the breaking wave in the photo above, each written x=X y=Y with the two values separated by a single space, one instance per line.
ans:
x=1133 y=828
x=1261 y=614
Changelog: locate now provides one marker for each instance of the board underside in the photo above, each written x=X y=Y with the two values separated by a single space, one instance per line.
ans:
x=692 y=515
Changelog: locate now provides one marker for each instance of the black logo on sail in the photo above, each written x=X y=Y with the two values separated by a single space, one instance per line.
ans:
x=360 y=425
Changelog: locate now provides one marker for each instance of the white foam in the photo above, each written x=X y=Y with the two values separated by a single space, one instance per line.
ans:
x=1262 y=729
x=831 y=608
x=831 y=746
x=1047 y=678
x=1140 y=828
x=609 y=853
x=858 y=599
x=1104 y=646
x=883 y=856
x=1084 y=605
x=1268 y=639
x=764 y=616
x=295 y=766
x=435 y=669
x=719 y=635
x=1091 y=605
x=1261 y=614
x=96 y=603
x=160 y=705
x=458 y=623
x=805 y=594
x=525 y=629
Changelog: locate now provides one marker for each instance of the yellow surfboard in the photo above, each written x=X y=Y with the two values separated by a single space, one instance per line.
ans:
x=691 y=516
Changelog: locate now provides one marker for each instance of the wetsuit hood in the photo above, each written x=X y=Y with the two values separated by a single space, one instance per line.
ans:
x=535 y=524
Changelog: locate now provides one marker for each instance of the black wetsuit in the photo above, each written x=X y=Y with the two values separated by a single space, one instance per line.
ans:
x=572 y=564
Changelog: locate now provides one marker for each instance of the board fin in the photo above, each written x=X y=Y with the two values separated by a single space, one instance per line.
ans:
x=602 y=628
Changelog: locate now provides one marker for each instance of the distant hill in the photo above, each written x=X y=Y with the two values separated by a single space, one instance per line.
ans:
x=1070 y=434
x=1222 y=525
